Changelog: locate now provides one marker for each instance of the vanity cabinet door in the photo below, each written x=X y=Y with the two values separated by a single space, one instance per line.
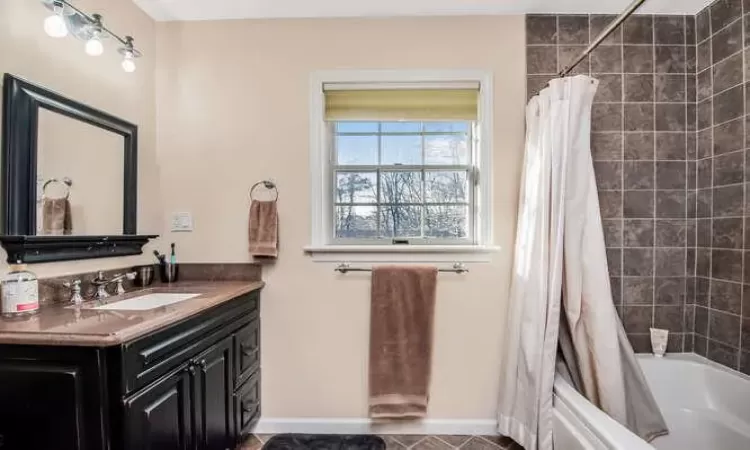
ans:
x=213 y=397
x=35 y=394
x=247 y=406
x=247 y=351
x=159 y=417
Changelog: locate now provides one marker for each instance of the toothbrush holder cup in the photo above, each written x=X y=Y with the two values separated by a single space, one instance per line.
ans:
x=169 y=273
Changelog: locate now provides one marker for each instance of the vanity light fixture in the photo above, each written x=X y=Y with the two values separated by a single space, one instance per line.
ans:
x=69 y=19
x=55 y=25
x=94 y=46
x=129 y=54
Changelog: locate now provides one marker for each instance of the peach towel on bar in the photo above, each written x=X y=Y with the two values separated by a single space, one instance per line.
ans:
x=57 y=218
x=264 y=229
x=402 y=308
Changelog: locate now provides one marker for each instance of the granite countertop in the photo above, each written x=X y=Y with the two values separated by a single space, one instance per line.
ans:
x=64 y=324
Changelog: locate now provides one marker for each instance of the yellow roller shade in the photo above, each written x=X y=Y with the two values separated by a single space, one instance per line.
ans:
x=402 y=104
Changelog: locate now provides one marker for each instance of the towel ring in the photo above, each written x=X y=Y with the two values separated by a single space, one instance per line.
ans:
x=270 y=185
x=67 y=182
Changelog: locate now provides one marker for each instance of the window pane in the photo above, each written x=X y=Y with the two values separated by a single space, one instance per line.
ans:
x=446 y=221
x=357 y=150
x=402 y=150
x=401 y=221
x=401 y=187
x=447 y=127
x=446 y=150
x=401 y=127
x=356 y=187
x=356 y=222
x=356 y=127
x=447 y=187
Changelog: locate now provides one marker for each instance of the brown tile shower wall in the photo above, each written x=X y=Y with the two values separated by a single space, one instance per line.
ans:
x=643 y=144
x=672 y=166
x=722 y=311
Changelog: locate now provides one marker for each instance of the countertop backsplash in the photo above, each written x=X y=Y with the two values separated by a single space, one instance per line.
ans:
x=52 y=290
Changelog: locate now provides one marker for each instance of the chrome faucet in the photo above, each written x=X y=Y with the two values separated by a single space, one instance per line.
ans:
x=101 y=284
x=75 y=291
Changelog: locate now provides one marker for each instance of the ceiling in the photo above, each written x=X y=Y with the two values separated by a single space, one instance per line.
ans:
x=243 y=9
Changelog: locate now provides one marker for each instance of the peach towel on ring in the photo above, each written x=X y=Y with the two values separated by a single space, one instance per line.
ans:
x=264 y=229
x=401 y=330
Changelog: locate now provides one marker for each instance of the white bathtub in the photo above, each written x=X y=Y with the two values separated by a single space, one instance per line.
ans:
x=706 y=406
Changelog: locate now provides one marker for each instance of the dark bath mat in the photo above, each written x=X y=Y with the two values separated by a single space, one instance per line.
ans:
x=324 y=442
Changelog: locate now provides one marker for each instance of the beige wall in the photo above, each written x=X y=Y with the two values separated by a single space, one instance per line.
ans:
x=64 y=146
x=232 y=109
x=62 y=65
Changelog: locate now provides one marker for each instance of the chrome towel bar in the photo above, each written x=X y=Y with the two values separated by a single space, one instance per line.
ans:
x=345 y=267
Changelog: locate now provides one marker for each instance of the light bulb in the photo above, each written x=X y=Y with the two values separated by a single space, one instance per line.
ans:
x=94 y=46
x=128 y=64
x=55 y=27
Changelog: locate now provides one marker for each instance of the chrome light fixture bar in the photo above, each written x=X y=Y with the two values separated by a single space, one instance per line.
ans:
x=69 y=19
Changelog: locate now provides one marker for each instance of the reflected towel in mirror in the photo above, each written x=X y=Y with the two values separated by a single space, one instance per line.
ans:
x=57 y=217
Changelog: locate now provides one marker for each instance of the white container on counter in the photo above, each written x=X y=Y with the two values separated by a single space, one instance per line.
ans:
x=20 y=292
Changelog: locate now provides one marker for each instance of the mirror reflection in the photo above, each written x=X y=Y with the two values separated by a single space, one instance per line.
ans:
x=80 y=178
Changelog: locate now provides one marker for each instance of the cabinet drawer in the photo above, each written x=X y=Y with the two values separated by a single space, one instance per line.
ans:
x=247 y=351
x=146 y=359
x=247 y=405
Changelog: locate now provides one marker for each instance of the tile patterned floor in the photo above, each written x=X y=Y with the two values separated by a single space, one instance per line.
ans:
x=418 y=442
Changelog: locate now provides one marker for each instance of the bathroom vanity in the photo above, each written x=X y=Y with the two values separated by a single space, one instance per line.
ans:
x=181 y=376
x=174 y=367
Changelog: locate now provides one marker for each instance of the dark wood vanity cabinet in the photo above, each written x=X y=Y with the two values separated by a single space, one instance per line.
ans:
x=160 y=417
x=191 y=386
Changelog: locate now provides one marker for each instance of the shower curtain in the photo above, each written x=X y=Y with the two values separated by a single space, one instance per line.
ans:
x=560 y=274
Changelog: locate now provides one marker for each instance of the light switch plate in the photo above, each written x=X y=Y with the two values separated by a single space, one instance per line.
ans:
x=182 y=221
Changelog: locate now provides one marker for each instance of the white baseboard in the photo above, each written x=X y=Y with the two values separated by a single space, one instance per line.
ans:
x=271 y=425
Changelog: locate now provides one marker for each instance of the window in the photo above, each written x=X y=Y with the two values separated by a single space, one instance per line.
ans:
x=398 y=161
x=403 y=182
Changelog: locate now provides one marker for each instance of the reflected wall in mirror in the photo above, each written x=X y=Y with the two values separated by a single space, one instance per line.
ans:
x=80 y=178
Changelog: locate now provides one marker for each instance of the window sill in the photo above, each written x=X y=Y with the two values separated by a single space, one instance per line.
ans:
x=413 y=253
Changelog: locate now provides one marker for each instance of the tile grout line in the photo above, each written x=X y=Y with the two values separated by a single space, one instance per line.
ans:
x=447 y=443
x=622 y=177
x=710 y=339
x=687 y=185
x=713 y=33
x=655 y=214
x=711 y=192
x=744 y=188
x=689 y=322
x=708 y=308
x=412 y=445
x=482 y=438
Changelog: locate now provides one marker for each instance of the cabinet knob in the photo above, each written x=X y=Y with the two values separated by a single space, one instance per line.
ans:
x=202 y=364
x=246 y=349
x=248 y=406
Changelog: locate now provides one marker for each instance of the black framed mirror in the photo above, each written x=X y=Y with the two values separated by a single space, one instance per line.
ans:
x=90 y=157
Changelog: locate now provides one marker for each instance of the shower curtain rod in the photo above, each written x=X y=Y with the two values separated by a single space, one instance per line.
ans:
x=602 y=36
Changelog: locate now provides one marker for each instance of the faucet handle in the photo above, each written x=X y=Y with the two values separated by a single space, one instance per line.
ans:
x=72 y=284
x=121 y=278
x=120 y=287
x=75 y=296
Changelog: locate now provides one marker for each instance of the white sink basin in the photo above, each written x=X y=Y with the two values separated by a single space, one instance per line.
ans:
x=148 y=301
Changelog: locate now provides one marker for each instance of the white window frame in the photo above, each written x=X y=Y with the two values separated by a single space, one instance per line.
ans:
x=322 y=240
